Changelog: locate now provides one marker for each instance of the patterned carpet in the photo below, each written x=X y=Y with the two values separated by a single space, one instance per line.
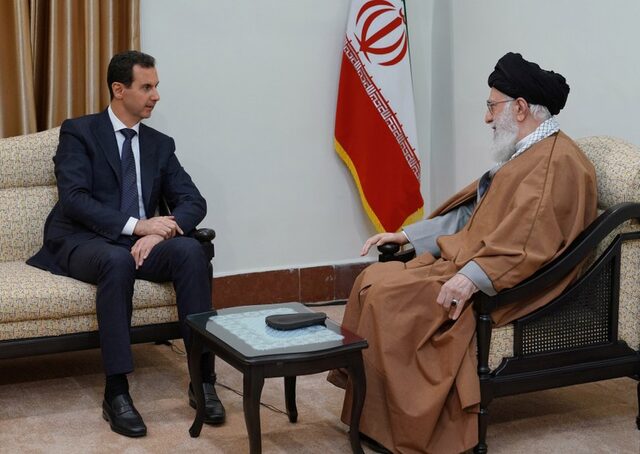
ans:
x=52 y=404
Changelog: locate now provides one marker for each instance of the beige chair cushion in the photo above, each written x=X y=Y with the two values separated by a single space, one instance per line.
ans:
x=27 y=192
x=501 y=345
x=617 y=165
x=34 y=297
x=22 y=215
x=26 y=161
x=81 y=323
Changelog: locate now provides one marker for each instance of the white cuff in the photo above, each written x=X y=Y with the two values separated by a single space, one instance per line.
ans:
x=129 y=226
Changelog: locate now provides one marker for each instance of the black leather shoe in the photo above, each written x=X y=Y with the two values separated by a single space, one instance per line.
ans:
x=213 y=410
x=123 y=416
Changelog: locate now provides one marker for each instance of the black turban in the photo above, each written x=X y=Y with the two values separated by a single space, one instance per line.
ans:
x=516 y=77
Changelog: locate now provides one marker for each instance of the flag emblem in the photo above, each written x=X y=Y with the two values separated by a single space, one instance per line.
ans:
x=374 y=25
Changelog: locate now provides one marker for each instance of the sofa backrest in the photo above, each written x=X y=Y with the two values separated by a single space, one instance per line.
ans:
x=617 y=165
x=27 y=192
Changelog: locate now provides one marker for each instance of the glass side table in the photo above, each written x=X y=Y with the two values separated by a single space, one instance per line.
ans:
x=237 y=335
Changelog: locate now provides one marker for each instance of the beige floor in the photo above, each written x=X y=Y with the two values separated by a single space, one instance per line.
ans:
x=52 y=404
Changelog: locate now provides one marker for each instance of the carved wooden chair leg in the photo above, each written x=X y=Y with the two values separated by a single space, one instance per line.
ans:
x=638 y=417
x=483 y=422
x=484 y=340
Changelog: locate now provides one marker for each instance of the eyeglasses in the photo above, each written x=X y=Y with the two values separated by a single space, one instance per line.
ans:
x=492 y=104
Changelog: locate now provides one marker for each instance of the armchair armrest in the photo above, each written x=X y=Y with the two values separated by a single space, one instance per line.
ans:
x=390 y=252
x=205 y=236
x=581 y=247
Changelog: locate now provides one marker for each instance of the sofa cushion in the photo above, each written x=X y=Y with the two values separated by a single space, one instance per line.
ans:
x=629 y=309
x=22 y=215
x=26 y=160
x=81 y=323
x=28 y=293
x=501 y=345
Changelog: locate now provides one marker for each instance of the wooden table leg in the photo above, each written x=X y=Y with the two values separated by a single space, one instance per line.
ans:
x=290 y=398
x=359 y=390
x=195 y=357
x=253 y=381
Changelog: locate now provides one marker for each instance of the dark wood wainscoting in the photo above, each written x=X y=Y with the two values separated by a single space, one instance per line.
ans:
x=306 y=285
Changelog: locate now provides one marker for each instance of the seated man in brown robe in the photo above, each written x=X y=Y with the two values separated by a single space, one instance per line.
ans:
x=422 y=387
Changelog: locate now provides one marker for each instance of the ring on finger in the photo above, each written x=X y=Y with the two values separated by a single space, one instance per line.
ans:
x=454 y=302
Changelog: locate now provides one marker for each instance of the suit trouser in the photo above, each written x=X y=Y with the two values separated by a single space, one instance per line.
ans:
x=111 y=267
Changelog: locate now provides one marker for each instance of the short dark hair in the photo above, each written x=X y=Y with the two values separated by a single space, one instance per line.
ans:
x=121 y=67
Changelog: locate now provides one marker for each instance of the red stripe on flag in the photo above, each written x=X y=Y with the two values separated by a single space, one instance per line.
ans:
x=388 y=184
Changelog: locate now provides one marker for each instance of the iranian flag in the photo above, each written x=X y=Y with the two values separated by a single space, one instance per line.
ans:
x=375 y=132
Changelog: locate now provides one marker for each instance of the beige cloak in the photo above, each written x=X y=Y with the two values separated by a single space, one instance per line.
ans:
x=422 y=385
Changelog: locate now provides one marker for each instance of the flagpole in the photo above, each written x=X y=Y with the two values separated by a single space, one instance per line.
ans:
x=406 y=21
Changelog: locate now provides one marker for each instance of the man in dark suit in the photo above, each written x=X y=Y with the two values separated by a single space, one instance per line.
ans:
x=111 y=173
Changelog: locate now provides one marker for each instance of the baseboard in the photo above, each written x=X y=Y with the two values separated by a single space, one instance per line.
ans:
x=307 y=285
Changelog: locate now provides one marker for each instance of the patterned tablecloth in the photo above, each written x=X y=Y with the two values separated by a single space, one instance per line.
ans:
x=252 y=329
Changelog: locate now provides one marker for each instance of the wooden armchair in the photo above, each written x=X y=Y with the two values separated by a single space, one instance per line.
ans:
x=591 y=331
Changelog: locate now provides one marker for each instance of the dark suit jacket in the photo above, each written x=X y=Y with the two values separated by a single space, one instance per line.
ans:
x=87 y=168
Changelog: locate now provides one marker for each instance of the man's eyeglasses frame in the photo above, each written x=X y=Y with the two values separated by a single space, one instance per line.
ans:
x=492 y=104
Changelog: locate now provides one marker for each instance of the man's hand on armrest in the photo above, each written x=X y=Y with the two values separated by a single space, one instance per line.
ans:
x=384 y=238
x=164 y=226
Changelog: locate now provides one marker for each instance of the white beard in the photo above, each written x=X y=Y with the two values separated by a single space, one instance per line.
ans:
x=505 y=136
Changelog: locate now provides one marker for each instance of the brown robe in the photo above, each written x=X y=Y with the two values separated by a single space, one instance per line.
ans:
x=422 y=385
